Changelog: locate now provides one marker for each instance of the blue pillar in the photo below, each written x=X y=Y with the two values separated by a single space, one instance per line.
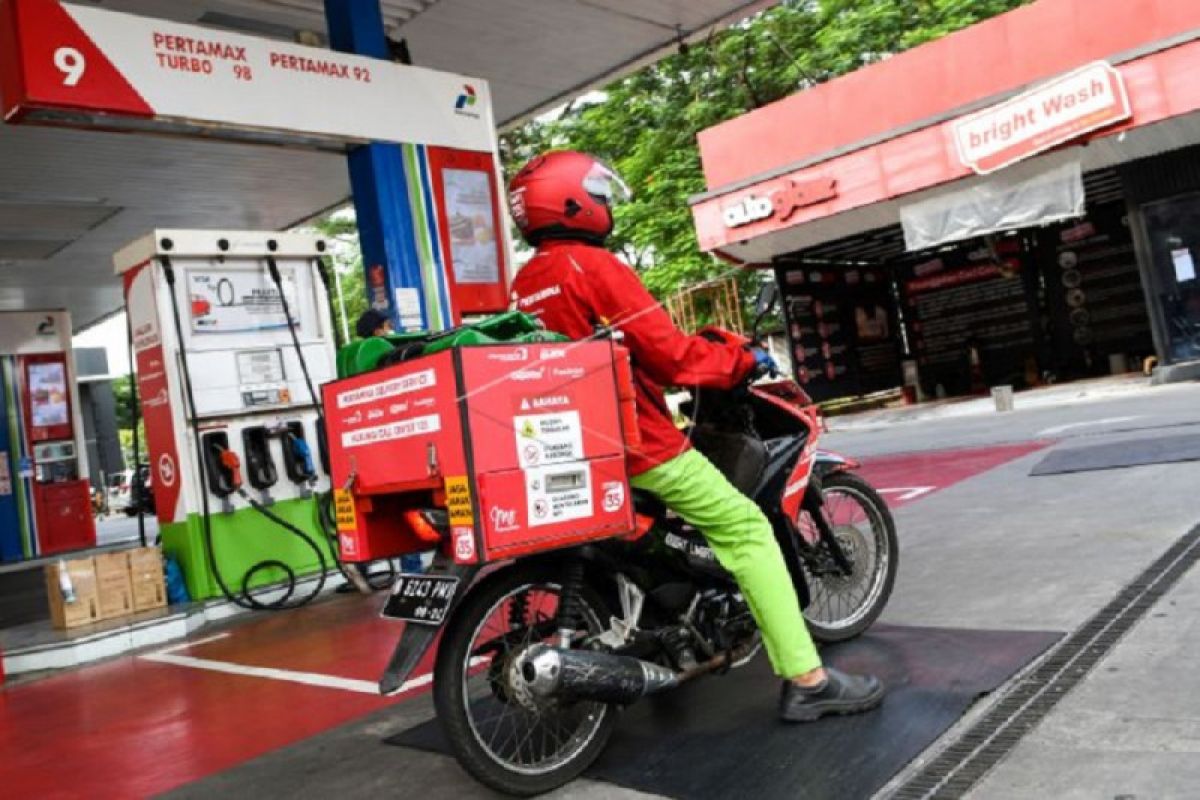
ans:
x=378 y=180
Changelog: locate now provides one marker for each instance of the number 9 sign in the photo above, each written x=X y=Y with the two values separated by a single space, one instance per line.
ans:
x=71 y=63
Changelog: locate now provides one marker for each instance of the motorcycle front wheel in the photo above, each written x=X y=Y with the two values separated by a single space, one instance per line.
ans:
x=504 y=738
x=842 y=606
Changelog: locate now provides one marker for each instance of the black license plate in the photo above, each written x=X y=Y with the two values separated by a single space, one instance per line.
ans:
x=423 y=599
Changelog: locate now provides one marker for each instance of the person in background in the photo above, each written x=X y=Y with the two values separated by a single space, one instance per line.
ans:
x=373 y=322
x=562 y=203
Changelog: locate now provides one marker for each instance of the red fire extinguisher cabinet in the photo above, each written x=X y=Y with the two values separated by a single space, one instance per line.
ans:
x=522 y=444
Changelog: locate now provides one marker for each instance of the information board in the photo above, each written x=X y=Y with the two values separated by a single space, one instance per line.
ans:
x=842 y=327
x=78 y=59
x=970 y=298
x=1094 y=295
x=237 y=301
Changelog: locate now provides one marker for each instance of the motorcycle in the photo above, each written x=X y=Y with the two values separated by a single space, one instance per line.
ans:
x=537 y=657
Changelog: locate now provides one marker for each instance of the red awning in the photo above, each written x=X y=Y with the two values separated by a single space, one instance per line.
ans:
x=889 y=130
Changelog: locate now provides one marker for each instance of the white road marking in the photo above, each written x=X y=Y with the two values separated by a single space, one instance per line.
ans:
x=307 y=678
x=191 y=643
x=168 y=655
x=908 y=492
x=1057 y=429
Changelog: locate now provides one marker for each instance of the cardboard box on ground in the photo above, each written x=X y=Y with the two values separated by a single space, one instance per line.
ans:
x=80 y=575
x=105 y=586
x=113 y=583
x=146 y=573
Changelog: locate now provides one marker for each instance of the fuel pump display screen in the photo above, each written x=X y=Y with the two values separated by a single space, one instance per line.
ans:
x=472 y=230
x=48 y=404
x=261 y=378
x=238 y=301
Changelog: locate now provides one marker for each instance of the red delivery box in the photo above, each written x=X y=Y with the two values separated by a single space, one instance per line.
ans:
x=523 y=445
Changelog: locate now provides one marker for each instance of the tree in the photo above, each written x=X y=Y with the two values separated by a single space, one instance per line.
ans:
x=122 y=388
x=341 y=230
x=645 y=125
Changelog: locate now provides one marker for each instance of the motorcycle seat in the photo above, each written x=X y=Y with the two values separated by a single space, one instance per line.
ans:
x=647 y=504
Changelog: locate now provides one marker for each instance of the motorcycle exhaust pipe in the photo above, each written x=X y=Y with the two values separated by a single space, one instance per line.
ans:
x=590 y=675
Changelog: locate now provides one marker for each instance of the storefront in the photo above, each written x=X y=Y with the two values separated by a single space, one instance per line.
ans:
x=1014 y=203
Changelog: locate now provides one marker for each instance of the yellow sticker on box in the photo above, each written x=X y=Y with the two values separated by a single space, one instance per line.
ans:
x=458 y=500
x=343 y=510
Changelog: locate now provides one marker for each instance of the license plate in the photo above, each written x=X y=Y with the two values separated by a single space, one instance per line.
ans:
x=423 y=599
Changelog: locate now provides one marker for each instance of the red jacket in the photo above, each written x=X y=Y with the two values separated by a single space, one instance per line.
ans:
x=574 y=287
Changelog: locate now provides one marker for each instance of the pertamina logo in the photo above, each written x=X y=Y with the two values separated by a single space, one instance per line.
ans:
x=465 y=101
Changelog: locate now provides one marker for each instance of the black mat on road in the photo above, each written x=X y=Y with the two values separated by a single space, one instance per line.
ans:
x=718 y=737
x=1115 y=455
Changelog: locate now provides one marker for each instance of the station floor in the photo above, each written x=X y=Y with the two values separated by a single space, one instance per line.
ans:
x=141 y=725
x=284 y=705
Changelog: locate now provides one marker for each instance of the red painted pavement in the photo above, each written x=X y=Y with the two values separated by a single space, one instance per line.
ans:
x=902 y=477
x=136 y=728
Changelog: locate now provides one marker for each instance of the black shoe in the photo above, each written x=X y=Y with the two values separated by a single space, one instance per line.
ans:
x=839 y=693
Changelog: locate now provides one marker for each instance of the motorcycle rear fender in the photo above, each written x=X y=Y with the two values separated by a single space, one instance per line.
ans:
x=417 y=639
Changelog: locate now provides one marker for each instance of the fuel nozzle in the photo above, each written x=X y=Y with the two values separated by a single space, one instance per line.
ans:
x=303 y=454
x=233 y=467
x=222 y=467
x=297 y=454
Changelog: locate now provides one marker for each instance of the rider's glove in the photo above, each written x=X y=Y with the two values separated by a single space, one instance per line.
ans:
x=764 y=364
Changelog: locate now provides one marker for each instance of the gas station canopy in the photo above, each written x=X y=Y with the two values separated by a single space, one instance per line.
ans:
x=71 y=198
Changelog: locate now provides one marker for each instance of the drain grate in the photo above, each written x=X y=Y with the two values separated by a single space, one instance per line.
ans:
x=961 y=765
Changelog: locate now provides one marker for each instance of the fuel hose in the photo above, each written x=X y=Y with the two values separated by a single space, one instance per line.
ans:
x=359 y=579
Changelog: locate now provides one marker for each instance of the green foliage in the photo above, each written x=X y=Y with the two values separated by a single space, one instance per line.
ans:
x=122 y=387
x=342 y=232
x=645 y=125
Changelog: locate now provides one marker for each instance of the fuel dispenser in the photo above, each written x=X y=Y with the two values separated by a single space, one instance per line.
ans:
x=45 y=502
x=233 y=336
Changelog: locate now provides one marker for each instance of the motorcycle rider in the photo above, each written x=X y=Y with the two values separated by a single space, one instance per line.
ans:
x=562 y=203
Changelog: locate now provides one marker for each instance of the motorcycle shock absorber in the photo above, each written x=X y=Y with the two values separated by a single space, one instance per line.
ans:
x=570 y=603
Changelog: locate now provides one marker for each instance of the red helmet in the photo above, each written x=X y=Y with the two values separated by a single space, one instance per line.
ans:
x=564 y=194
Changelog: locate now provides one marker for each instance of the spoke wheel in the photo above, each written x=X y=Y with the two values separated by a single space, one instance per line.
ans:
x=842 y=606
x=504 y=736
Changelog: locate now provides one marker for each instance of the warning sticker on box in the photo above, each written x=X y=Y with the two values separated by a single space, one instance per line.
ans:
x=548 y=438
x=558 y=493
x=458 y=500
x=343 y=510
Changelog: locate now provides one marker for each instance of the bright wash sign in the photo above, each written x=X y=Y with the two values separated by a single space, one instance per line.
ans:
x=1062 y=109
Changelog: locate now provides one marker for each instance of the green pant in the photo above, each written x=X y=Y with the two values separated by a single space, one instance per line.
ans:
x=742 y=540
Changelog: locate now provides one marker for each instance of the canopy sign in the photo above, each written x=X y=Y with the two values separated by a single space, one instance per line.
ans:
x=1044 y=117
x=61 y=63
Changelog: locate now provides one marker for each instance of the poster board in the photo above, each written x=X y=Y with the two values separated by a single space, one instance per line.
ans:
x=842 y=328
x=467 y=191
x=223 y=300
x=47 y=397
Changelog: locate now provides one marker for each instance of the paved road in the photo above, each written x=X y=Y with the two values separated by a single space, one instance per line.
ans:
x=118 y=528
x=981 y=549
x=1153 y=411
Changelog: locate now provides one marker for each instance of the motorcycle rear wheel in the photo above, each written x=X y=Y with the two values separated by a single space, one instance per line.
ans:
x=842 y=607
x=501 y=742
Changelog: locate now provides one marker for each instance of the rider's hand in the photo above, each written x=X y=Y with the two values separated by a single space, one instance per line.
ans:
x=764 y=364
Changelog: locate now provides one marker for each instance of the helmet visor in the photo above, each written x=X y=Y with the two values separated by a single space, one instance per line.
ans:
x=605 y=184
